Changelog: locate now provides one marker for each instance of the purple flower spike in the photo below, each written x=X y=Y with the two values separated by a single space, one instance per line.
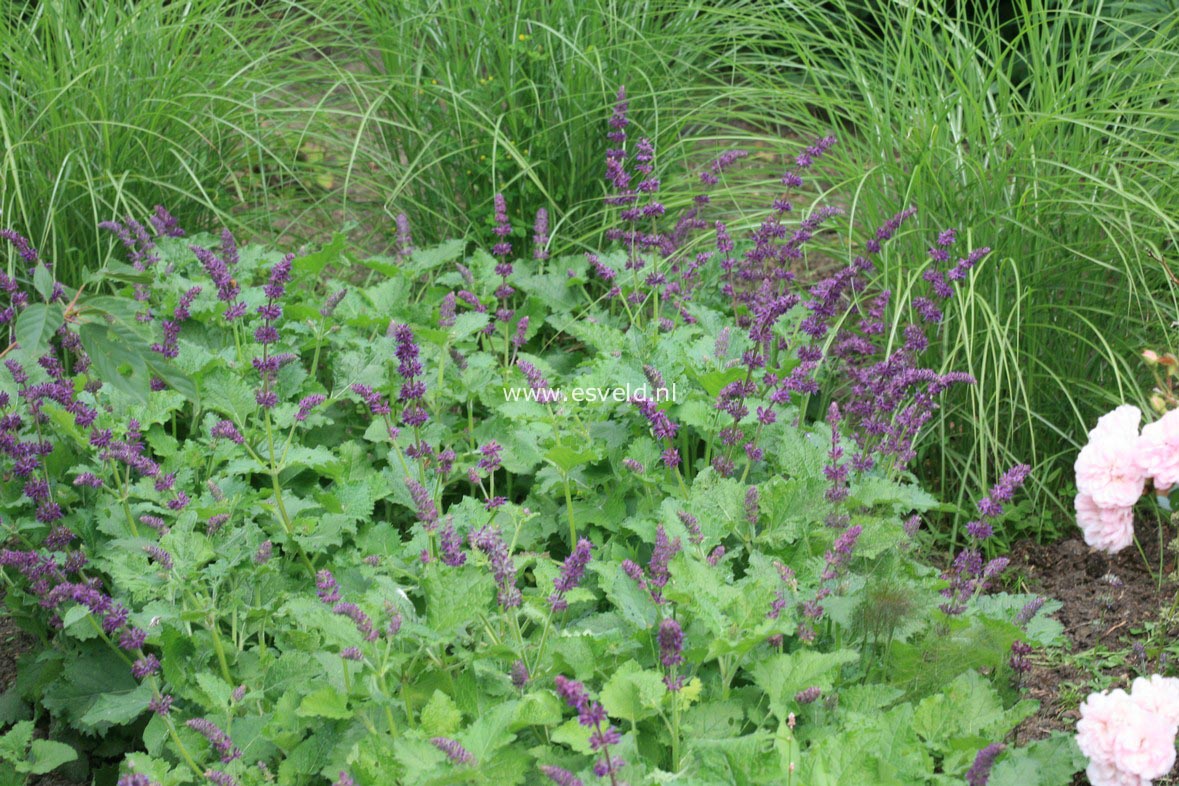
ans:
x=450 y=544
x=325 y=587
x=571 y=574
x=560 y=776
x=307 y=404
x=502 y=229
x=453 y=750
x=145 y=667
x=809 y=695
x=225 y=429
x=503 y=568
x=136 y=779
x=404 y=237
x=671 y=651
x=540 y=237
x=217 y=738
x=219 y=778
x=980 y=771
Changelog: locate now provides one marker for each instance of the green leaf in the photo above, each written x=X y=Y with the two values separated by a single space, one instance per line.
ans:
x=967 y=707
x=174 y=378
x=14 y=743
x=538 y=709
x=567 y=459
x=327 y=702
x=88 y=679
x=228 y=394
x=427 y=259
x=112 y=348
x=43 y=281
x=441 y=716
x=115 y=709
x=46 y=756
x=1048 y=762
x=714 y=381
x=783 y=675
x=35 y=327
x=456 y=598
x=315 y=262
x=633 y=694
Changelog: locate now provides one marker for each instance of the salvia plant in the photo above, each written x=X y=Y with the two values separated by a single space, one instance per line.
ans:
x=460 y=515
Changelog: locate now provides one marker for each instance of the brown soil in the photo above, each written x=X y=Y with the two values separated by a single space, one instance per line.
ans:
x=1108 y=602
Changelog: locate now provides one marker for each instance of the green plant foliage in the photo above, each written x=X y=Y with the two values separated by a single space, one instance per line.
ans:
x=306 y=520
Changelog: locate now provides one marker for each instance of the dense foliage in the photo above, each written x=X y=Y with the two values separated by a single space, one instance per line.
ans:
x=489 y=515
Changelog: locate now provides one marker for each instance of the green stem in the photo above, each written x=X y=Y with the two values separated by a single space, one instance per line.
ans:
x=569 y=508
x=219 y=648
x=180 y=747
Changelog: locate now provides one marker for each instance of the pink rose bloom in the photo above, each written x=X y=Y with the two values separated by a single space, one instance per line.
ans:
x=1108 y=529
x=1108 y=775
x=1127 y=417
x=1107 y=468
x=1122 y=739
x=1158 y=450
x=1159 y=695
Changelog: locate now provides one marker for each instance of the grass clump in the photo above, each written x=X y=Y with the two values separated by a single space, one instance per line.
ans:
x=1051 y=132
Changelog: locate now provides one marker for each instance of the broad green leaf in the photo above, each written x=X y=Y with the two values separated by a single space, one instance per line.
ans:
x=15 y=741
x=111 y=349
x=457 y=598
x=315 y=262
x=566 y=458
x=633 y=694
x=440 y=716
x=46 y=756
x=327 y=702
x=35 y=327
x=1049 y=762
x=43 y=281
x=116 y=709
x=783 y=675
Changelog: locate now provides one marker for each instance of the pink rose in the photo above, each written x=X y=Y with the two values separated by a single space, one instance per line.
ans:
x=1101 y=774
x=1122 y=419
x=1108 y=529
x=1127 y=744
x=1107 y=468
x=1158 y=695
x=1158 y=451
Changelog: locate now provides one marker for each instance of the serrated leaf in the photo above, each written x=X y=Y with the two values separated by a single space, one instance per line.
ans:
x=457 y=598
x=441 y=716
x=425 y=259
x=538 y=709
x=632 y=693
x=566 y=458
x=46 y=756
x=327 y=702
x=1048 y=762
x=16 y=741
x=783 y=675
x=315 y=262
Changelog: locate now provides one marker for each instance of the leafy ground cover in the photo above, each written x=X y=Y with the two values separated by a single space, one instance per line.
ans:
x=491 y=514
x=611 y=486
